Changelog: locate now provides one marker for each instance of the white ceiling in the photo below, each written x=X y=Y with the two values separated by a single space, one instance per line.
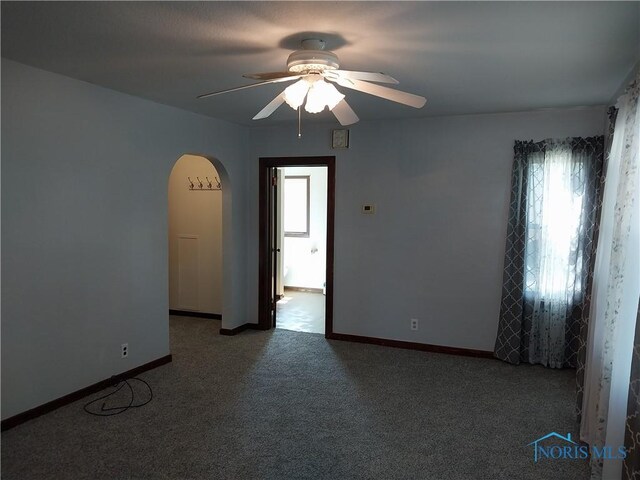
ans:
x=465 y=57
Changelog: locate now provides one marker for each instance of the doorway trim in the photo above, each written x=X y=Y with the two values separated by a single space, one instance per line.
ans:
x=264 y=257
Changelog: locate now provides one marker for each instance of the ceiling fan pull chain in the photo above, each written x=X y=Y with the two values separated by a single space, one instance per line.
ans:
x=299 y=123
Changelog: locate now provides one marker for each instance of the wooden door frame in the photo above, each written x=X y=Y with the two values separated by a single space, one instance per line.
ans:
x=264 y=281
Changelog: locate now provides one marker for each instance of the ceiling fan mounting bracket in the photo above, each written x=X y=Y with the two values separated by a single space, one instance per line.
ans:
x=312 y=58
x=313 y=44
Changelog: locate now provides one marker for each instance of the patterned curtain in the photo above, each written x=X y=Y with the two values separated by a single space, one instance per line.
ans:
x=584 y=317
x=631 y=466
x=545 y=277
x=613 y=311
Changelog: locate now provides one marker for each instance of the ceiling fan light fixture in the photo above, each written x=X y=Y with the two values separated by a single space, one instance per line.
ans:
x=294 y=94
x=322 y=94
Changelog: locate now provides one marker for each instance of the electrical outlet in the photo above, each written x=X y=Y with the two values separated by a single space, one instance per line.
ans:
x=414 y=324
x=368 y=209
x=125 y=350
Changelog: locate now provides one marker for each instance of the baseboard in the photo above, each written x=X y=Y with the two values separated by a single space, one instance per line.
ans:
x=425 y=347
x=78 y=394
x=304 y=289
x=189 y=313
x=240 y=328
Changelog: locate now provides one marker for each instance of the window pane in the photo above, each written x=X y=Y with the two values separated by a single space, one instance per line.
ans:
x=555 y=197
x=296 y=206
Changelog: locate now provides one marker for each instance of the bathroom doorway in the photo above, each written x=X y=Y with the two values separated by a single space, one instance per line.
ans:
x=296 y=243
x=302 y=239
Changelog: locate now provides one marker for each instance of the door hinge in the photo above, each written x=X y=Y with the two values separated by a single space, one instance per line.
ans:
x=274 y=181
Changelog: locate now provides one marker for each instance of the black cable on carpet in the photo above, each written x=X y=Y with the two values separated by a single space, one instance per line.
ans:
x=105 y=411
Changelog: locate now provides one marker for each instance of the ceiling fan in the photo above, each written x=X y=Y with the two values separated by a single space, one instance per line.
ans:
x=316 y=71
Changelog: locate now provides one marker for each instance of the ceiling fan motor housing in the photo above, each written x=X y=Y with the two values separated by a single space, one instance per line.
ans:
x=312 y=61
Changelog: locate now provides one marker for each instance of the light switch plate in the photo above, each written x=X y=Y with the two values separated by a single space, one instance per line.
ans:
x=340 y=138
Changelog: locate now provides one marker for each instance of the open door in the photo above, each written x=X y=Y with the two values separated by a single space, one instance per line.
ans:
x=270 y=243
x=275 y=222
x=271 y=235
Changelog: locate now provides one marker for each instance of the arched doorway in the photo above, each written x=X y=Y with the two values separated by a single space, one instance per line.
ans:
x=199 y=237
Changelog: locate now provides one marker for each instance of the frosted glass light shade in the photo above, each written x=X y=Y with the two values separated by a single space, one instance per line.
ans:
x=294 y=94
x=322 y=94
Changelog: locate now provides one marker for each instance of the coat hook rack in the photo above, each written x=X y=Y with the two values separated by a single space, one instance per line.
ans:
x=210 y=185
x=199 y=185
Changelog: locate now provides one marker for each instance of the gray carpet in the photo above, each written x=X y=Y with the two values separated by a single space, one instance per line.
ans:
x=289 y=405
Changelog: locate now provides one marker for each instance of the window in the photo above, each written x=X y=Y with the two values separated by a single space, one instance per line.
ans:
x=296 y=206
x=555 y=203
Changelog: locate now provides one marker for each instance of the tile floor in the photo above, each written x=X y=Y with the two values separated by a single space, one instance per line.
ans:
x=301 y=311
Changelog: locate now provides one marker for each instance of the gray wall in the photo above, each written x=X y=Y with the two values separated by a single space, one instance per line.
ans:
x=434 y=249
x=84 y=225
x=84 y=229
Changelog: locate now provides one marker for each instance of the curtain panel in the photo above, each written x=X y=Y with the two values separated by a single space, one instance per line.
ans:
x=554 y=182
x=581 y=357
x=631 y=466
x=615 y=291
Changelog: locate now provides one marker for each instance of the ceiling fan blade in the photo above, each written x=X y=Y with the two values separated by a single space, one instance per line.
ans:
x=267 y=75
x=415 y=101
x=344 y=113
x=368 y=76
x=271 y=107
x=251 y=85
